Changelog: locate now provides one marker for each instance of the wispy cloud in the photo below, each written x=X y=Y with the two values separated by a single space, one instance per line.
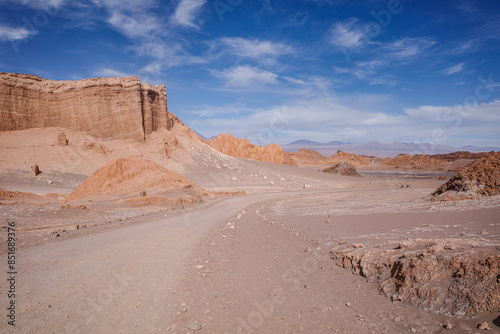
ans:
x=409 y=47
x=47 y=5
x=454 y=69
x=138 y=25
x=347 y=34
x=186 y=13
x=109 y=72
x=14 y=34
x=255 y=48
x=210 y=111
x=245 y=77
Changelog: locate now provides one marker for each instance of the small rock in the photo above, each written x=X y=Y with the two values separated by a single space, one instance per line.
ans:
x=35 y=170
x=194 y=326
x=143 y=193
x=448 y=326
x=483 y=326
x=348 y=304
x=397 y=319
x=199 y=266
x=413 y=330
x=61 y=139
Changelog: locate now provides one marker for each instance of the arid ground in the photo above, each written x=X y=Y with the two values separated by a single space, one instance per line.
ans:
x=260 y=262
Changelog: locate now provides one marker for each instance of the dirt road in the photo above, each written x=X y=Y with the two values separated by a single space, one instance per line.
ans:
x=246 y=264
x=117 y=281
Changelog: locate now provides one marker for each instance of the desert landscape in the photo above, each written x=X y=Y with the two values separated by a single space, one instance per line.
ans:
x=127 y=221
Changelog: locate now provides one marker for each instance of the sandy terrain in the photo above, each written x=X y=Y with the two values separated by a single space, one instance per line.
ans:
x=259 y=262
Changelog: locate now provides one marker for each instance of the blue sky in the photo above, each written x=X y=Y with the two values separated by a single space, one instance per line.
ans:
x=278 y=71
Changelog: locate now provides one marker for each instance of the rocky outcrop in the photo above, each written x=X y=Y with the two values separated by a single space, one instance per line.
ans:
x=62 y=140
x=479 y=179
x=306 y=157
x=342 y=168
x=450 y=276
x=417 y=161
x=242 y=148
x=132 y=175
x=102 y=107
x=341 y=156
x=460 y=155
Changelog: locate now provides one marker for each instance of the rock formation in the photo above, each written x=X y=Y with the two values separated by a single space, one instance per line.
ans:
x=130 y=176
x=242 y=148
x=103 y=107
x=340 y=156
x=35 y=170
x=454 y=277
x=479 y=179
x=306 y=157
x=61 y=139
x=460 y=155
x=342 y=168
x=417 y=161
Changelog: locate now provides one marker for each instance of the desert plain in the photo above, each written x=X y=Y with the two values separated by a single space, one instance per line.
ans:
x=162 y=231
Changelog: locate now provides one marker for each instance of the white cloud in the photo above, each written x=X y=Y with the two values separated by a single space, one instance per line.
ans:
x=186 y=13
x=347 y=34
x=14 y=34
x=468 y=114
x=245 y=77
x=47 y=5
x=254 y=48
x=109 y=72
x=209 y=111
x=327 y=118
x=152 y=68
x=408 y=47
x=454 y=69
x=138 y=25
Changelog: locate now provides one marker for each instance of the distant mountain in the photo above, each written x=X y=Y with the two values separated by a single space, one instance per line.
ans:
x=335 y=142
x=310 y=142
x=304 y=142
x=382 y=150
x=199 y=134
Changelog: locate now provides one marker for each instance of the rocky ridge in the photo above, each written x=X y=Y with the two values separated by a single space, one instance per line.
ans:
x=242 y=148
x=417 y=161
x=306 y=157
x=341 y=156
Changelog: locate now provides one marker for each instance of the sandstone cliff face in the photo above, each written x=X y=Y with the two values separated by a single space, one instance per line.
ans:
x=103 y=107
x=241 y=148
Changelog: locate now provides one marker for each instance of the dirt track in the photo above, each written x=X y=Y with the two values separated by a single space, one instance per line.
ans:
x=242 y=265
x=115 y=281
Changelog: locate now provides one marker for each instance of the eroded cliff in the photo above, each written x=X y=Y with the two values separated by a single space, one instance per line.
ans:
x=103 y=107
